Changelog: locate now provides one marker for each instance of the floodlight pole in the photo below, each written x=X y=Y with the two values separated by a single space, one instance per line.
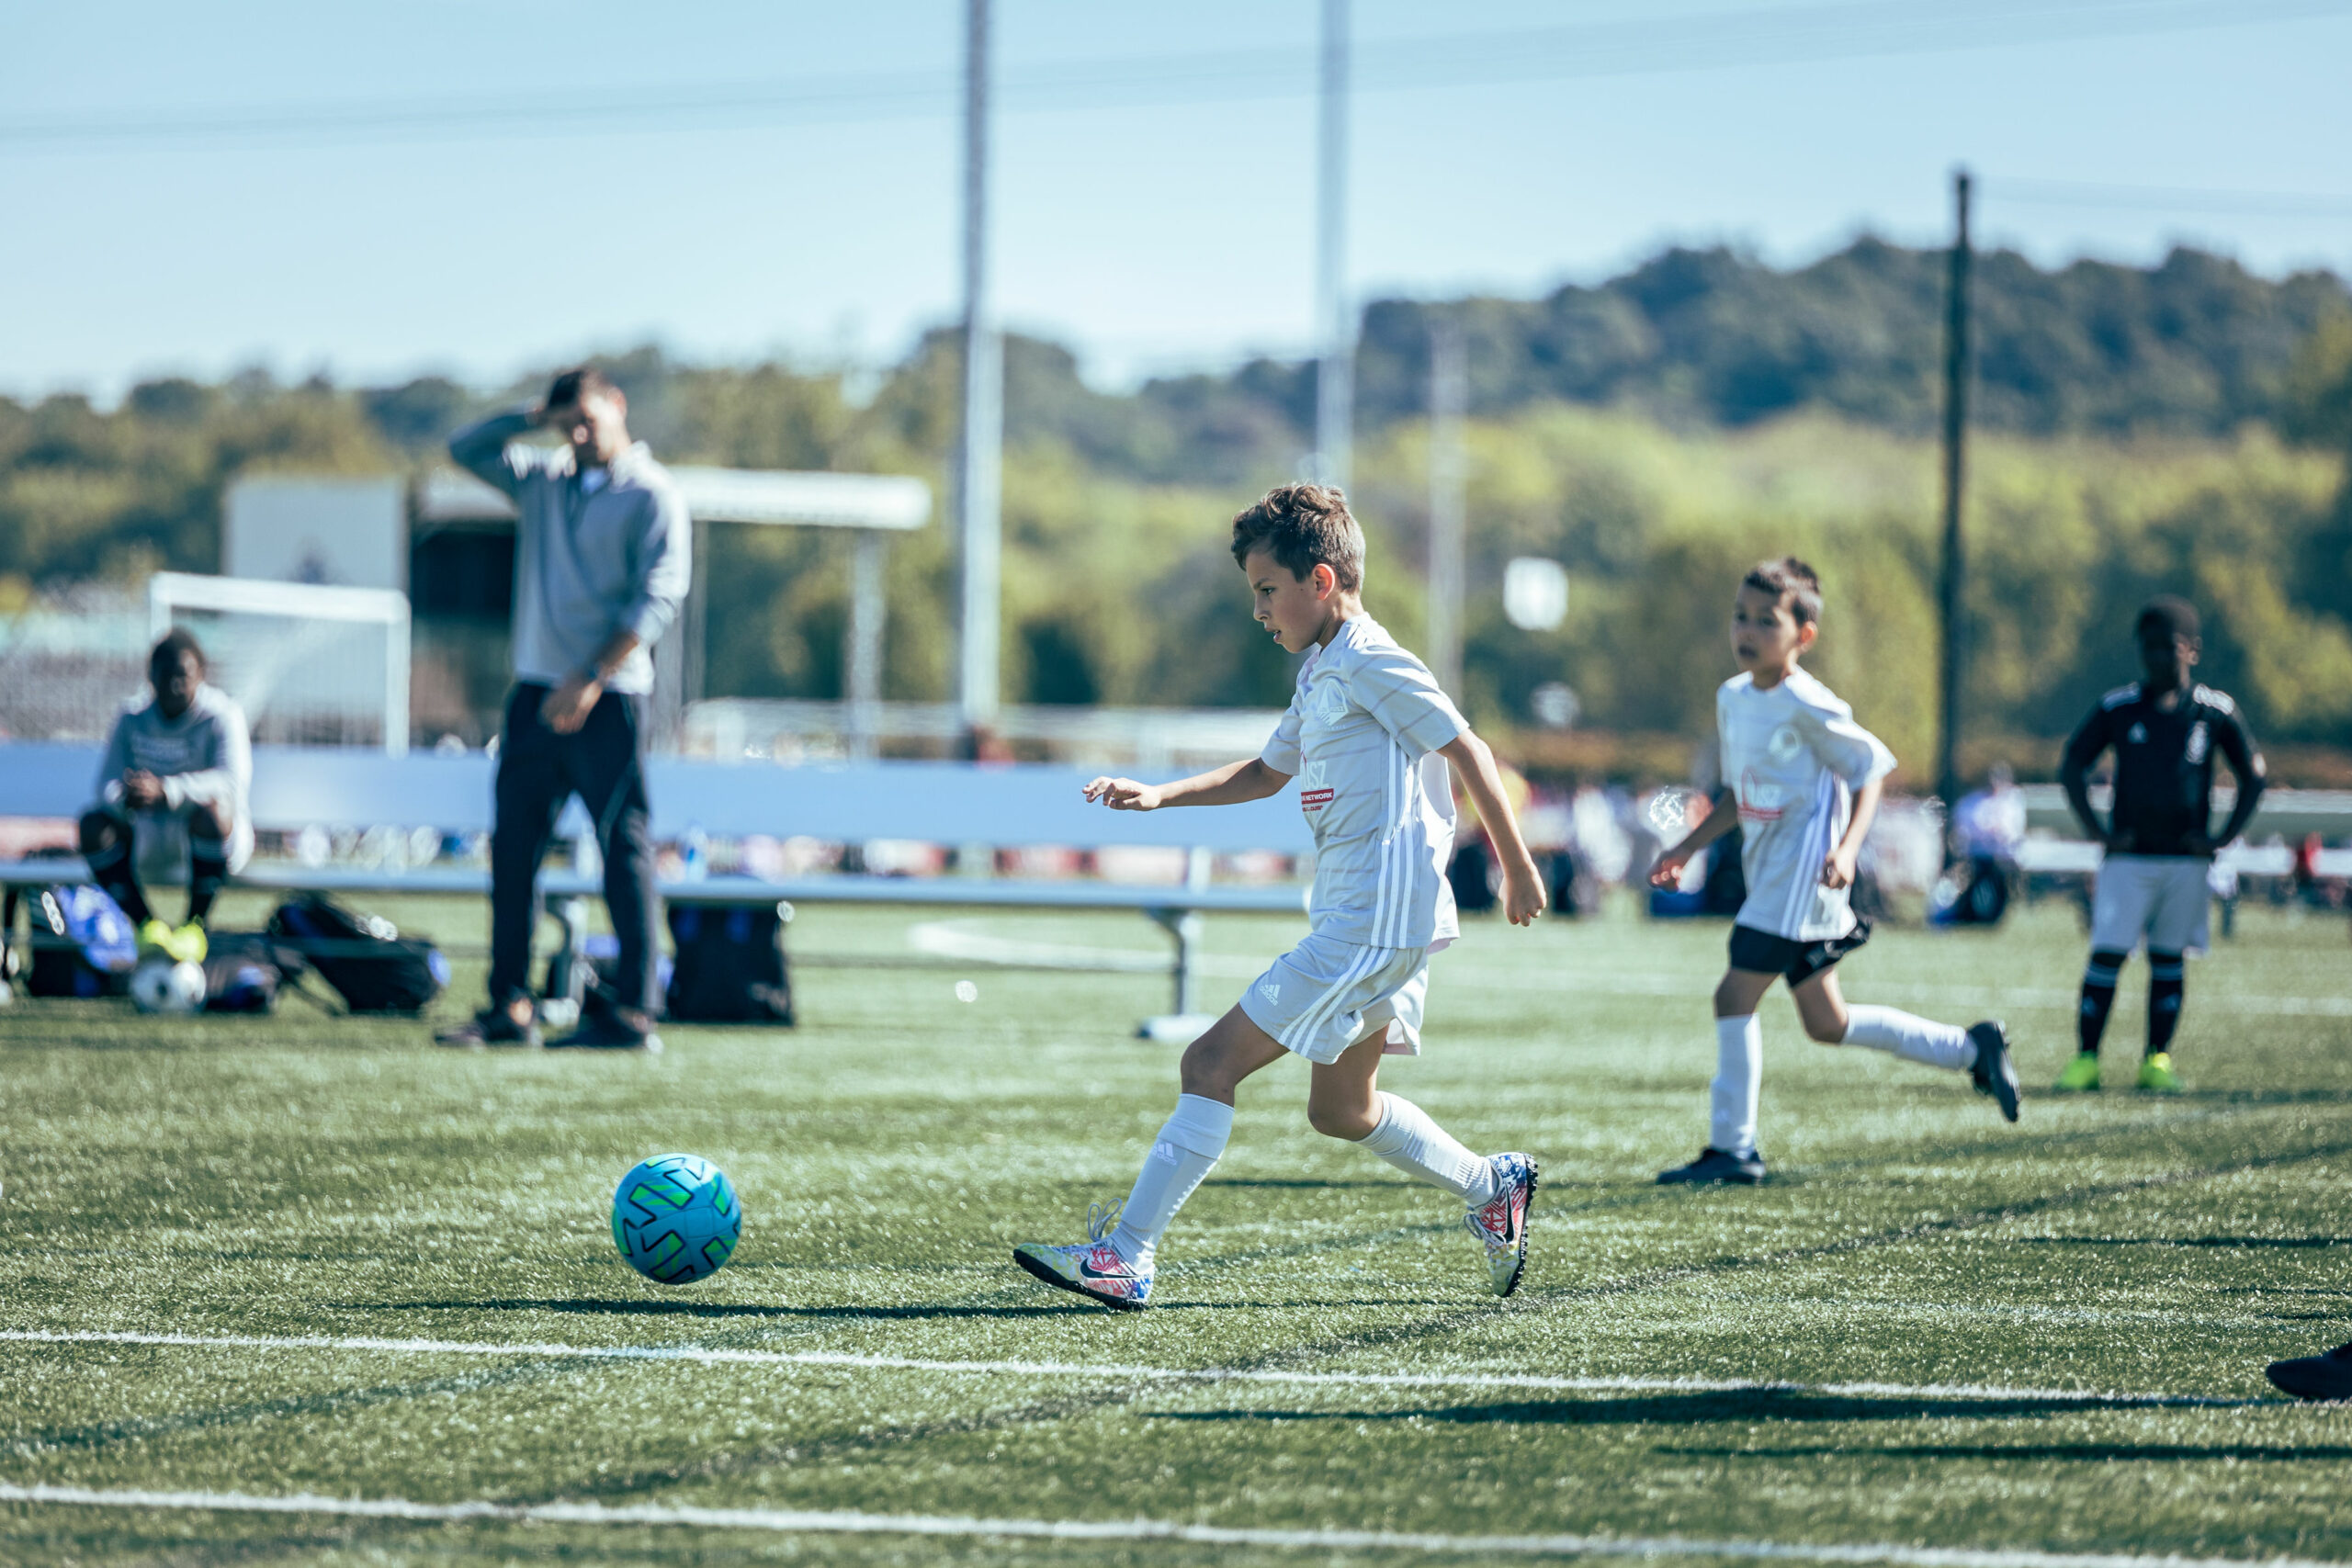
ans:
x=1335 y=369
x=980 y=454
x=1449 y=395
x=862 y=643
x=1950 y=599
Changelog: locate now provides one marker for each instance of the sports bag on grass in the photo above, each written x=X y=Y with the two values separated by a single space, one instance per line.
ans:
x=729 y=964
x=244 y=974
x=83 y=944
x=365 y=958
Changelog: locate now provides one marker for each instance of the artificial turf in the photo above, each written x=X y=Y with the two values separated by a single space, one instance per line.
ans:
x=317 y=1177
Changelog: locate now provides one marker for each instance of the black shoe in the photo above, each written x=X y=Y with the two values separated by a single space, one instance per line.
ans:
x=1714 y=1165
x=604 y=1029
x=491 y=1026
x=2327 y=1377
x=1995 y=1073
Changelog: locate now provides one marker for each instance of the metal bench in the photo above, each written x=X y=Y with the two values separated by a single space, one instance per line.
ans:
x=954 y=804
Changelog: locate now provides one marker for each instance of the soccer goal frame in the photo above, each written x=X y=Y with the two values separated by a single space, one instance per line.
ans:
x=171 y=592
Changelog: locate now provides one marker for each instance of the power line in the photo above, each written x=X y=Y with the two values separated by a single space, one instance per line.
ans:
x=1781 y=35
x=2171 y=199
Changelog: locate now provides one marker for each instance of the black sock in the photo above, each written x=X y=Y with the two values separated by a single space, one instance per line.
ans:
x=110 y=869
x=208 y=869
x=2098 y=997
x=2167 y=978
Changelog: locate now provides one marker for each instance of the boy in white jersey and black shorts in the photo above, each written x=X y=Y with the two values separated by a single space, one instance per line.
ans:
x=1365 y=727
x=1801 y=782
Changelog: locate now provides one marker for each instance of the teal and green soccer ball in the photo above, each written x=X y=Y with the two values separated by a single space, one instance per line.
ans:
x=676 y=1219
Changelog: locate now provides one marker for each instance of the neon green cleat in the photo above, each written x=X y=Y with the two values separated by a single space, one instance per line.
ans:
x=2156 y=1076
x=189 y=944
x=154 y=936
x=2081 y=1076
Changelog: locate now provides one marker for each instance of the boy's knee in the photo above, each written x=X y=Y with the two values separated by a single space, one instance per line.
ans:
x=205 y=821
x=1828 y=1030
x=101 y=831
x=1349 y=1122
x=1204 y=1071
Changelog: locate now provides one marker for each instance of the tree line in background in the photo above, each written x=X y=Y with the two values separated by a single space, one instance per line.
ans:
x=2183 y=427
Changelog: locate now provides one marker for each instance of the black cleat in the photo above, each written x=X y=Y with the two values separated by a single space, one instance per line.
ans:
x=1714 y=1167
x=1995 y=1073
x=606 y=1029
x=489 y=1027
x=2327 y=1377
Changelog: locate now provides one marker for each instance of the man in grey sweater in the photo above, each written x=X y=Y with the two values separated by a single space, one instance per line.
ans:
x=602 y=562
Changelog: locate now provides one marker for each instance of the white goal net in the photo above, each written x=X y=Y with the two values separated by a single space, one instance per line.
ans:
x=310 y=665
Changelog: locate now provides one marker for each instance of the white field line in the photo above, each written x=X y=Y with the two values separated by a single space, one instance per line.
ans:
x=953 y=939
x=797 y=1522
x=719 y=1356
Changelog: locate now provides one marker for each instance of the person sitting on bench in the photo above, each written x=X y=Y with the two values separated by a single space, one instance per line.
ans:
x=172 y=794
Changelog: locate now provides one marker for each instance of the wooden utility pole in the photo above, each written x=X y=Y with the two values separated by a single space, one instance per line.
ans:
x=1951 y=596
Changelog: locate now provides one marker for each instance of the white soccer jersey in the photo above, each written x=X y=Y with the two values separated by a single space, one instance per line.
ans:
x=1793 y=755
x=1362 y=724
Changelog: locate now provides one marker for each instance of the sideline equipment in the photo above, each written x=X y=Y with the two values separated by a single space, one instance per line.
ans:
x=164 y=984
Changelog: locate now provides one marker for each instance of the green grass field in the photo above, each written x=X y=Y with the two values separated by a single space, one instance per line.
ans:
x=2001 y=1340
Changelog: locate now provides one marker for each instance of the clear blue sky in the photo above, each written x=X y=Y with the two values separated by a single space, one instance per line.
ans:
x=184 y=189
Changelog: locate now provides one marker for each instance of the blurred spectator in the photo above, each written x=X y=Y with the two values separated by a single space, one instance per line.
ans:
x=172 y=794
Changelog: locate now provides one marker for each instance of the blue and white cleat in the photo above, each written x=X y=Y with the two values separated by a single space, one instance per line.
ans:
x=1500 y=1223
x=1093 y=1268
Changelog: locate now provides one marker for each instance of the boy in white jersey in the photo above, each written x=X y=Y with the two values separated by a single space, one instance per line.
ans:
x=1802 y=781
x=1362 y=734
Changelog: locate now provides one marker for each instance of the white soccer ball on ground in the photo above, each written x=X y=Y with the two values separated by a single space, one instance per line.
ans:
x=162 y=985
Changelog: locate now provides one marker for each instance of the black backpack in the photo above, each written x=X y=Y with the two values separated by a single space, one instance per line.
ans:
x=729 y=964
x=364 y=957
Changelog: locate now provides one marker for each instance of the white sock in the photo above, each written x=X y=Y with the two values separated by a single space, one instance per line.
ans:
x=1911 y=1037
x=1408 y=1139
x=1187 y=1148
x=1739 y=1073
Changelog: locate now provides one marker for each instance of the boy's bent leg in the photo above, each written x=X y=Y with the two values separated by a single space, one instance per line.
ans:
x=106 y=840
x=1344 y=1101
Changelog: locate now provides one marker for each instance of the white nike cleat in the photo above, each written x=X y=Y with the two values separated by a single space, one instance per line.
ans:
x=1500 y=1223
x=1092 y=1268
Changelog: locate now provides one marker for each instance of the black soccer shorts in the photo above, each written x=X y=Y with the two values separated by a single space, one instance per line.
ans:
x=1762 y=952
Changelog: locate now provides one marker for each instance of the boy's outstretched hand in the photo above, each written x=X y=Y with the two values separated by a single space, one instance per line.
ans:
x=1124 y=795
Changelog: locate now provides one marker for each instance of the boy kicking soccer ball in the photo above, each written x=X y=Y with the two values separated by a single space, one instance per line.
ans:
x=1802 y=781
x=1363 y=725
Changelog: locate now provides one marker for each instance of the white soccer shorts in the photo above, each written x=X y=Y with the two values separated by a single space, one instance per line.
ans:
x=1325 y=995
x=2162 y=897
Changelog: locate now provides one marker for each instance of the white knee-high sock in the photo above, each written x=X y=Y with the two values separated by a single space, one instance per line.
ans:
x=1407 y=1138
x=1188 y=1143
x=1739 y=1073
x=1911 y=1037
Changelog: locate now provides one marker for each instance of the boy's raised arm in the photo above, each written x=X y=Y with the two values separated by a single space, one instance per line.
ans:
x=1231 y=784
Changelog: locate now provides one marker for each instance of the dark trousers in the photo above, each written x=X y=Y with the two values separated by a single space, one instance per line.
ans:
x=604 y=762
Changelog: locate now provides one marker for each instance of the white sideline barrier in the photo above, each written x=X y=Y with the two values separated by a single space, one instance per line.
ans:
x=946 y=803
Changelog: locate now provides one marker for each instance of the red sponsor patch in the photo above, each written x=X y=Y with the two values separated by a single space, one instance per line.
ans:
x=1315 y=800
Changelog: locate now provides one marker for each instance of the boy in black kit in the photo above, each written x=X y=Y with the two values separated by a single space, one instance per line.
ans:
x=2164 y=730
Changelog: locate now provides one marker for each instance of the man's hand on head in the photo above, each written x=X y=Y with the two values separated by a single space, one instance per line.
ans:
x=569 y=705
